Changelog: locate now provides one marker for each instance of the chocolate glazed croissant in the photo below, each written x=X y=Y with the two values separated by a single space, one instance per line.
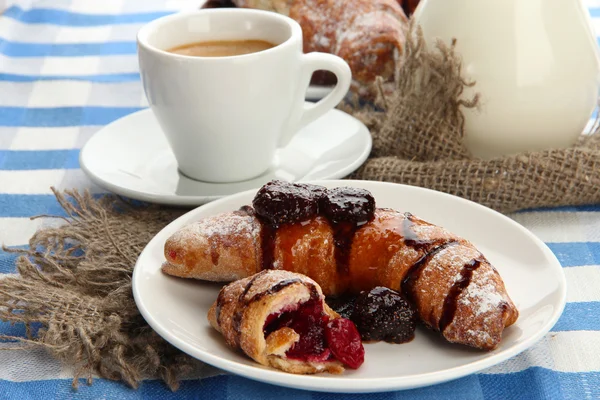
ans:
x=280 y=319
x=454 y=288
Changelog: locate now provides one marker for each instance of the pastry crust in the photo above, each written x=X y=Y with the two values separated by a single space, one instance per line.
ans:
x=434 y=268
x=368 y=34
x=218 y=249
x=243 y=306
x=278 y=6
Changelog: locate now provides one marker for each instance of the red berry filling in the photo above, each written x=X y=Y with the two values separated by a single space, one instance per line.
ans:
x=320 y=338
x=344 y=341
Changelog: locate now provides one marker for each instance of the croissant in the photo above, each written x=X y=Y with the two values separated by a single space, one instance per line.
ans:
x=453 y=287
x=280 y=319
x=368 y=34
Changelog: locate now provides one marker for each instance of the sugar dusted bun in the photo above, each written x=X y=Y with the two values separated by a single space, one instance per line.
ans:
x=368 y=34
x=219 y=249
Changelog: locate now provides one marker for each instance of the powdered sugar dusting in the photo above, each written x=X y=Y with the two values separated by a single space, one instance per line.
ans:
x=322 y=41
x=361 y=24
x=223 y=225
x=479 y=336
x=482 y=294
x=426 y=231
x=484 y=310
x=367 y=34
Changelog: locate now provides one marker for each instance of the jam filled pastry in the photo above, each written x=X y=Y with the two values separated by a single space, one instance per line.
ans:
x=341 y=240
x=280 y=319
x=368 y=34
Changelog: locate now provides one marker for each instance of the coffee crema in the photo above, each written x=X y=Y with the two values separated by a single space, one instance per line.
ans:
x=222 y=48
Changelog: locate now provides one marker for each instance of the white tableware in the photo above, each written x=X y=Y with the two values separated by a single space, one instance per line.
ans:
x=536 y=65
x=131 y=157
x=224 y=117
x=317 y=92
x=176 y=308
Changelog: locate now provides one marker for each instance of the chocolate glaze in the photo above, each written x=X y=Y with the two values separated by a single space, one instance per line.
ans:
x=242 y=297
x=243 y=301
x=343 y=235
x=237 y=316
x=276 y=288
x=267 y=243
x=267 y=236
x=411 y=239
x=280 y=203
x=218 y=308
x=430 y=249
x=414 y=273
x=451 y=300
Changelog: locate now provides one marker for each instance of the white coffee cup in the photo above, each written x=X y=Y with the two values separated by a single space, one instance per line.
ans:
x=224 y=117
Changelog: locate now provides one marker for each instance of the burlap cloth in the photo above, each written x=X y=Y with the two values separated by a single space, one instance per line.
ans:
x=75 y=279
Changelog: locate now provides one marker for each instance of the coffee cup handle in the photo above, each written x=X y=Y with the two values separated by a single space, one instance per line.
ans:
x=312 y=62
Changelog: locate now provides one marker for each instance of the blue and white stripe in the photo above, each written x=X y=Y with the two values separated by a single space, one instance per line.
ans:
x=68 y=67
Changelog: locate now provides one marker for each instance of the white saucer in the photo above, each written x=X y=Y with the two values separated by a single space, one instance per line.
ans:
x=131 y=157
x=176 y=308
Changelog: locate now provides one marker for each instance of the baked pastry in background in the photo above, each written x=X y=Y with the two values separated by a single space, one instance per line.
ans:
x=280 y=319
x=368 y=34
x=278 y=6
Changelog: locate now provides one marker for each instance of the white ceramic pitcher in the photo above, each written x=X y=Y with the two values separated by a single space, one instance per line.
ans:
x=536 y=64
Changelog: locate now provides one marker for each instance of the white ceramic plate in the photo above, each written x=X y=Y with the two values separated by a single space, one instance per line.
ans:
x=131 y=157
x=176 y=308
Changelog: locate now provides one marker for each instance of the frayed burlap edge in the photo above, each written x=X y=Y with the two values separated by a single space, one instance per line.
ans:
x=75 y=281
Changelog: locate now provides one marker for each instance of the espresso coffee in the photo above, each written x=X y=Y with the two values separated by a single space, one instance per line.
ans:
x=222 y=48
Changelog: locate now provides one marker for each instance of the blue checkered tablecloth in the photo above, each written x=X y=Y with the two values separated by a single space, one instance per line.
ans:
x=69 y=67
